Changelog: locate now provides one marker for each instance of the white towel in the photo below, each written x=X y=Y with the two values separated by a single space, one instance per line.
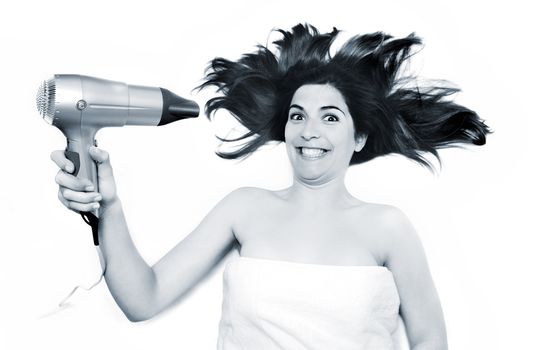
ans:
x=273 y=304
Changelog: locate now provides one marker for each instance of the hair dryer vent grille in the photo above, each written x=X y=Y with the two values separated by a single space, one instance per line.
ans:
x=45 y=100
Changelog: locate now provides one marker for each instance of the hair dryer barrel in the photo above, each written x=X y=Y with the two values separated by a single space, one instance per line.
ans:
x=71 y=98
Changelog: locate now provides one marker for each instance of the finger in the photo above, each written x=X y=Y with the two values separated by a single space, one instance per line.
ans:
x=62 y=199
x=72 y=182
x=80 y=197
x=104 y=169
x=62 y=162
x=99 y=155
x=78 y=207
x=75 y=206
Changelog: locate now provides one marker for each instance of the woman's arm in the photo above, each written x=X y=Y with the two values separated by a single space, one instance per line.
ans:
x=142 y=291
x=420 y=306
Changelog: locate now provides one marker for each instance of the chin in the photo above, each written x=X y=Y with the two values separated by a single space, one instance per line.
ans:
x=312 y=177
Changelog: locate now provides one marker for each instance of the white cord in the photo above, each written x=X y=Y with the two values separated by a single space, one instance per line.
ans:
x=63 y=303
x=102 y=262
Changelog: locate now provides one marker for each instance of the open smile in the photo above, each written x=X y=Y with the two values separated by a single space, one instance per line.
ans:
x=309 y=153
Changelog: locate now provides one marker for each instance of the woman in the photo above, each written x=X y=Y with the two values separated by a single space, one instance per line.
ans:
x=318 y=268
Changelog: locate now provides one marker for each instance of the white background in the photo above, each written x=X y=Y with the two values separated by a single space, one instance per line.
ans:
x=483 y=219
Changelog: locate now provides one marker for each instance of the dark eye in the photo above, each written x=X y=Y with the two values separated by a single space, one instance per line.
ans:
x=331 y=118
x=296 y=116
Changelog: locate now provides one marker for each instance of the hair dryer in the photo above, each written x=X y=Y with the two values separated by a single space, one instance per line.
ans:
x=80 y=105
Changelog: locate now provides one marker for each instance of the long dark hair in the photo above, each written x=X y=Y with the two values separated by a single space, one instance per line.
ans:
x=396 y=113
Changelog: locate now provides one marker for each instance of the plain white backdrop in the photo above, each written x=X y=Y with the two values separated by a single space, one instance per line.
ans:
x=483 y=218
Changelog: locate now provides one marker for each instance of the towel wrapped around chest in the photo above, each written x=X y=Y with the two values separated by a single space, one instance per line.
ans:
x=274 y=304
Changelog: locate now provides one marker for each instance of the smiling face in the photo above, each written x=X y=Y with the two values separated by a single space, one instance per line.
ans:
x=319 y=134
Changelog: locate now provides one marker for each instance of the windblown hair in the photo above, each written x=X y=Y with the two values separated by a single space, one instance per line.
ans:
x=396 y=113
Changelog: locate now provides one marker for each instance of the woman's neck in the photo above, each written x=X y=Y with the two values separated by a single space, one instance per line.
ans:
x=328 y=194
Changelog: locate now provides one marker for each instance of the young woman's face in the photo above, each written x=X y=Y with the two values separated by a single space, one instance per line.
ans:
x=319 y=134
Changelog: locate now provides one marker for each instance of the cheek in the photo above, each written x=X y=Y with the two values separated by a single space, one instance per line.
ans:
x=290 y=131
x=345 y=139
x=286 y=131
x=343 y=136
x=288 y=137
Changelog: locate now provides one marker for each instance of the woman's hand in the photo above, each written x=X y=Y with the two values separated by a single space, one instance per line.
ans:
x=78 y=194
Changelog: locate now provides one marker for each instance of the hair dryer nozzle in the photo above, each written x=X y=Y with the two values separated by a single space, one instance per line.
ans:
x=176 y=108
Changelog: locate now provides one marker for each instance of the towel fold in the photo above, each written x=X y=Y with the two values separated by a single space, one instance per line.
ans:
x=273 y=304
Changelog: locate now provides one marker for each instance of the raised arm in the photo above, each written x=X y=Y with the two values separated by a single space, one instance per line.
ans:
x=420 y=306
x=142 y=291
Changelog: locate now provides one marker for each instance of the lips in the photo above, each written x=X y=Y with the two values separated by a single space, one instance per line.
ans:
x=311 y=153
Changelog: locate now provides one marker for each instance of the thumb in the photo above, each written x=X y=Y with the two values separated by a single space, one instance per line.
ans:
x=102 y=159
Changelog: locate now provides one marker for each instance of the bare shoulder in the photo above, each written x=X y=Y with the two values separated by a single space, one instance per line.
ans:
x=386 y=228
x=393 y=219
x=403 y=246
x=383 y=216
x=394 y=225
x=248 y=195
x=245 y=200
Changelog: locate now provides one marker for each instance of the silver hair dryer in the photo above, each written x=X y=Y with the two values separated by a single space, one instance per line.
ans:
x=80 y=105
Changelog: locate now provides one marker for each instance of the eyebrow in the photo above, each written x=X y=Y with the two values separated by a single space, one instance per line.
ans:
x=322 y=108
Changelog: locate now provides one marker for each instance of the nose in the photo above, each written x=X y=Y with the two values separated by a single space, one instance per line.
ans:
x=309 y=131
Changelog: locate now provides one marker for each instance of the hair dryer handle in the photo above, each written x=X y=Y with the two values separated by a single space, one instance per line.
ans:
x=85 y=167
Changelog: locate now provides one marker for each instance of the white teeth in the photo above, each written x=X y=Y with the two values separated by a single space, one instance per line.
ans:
x=312 y=152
